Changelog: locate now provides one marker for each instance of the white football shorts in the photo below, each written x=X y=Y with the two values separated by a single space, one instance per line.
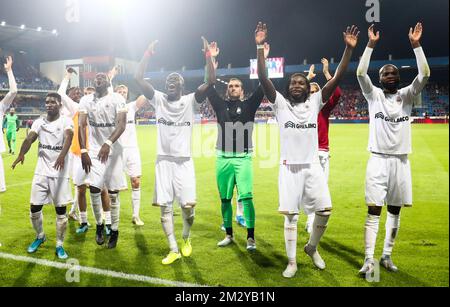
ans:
x=174 y=181
x=388 y=181
x=303 y=187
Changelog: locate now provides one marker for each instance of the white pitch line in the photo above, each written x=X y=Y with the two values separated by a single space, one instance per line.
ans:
x=19 y=184
x=90 y=270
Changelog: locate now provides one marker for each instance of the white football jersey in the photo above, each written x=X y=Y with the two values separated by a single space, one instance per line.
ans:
x=5 y=103
x=174 y=120
x=102 y=119
x=298 y=129
x=51 y=141
x=129 y=137
x=390 y=124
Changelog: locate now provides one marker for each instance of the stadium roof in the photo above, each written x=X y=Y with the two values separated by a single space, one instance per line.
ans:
x=17 y=38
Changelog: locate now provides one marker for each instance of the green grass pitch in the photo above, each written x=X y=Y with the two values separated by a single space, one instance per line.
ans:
x=421 y=250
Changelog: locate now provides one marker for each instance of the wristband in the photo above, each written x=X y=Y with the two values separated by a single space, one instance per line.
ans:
x=259 y=47
x=83 y=151
x=108 y=142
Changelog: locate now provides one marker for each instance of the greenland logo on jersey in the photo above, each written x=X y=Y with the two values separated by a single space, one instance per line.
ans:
x=293 y=125
x=401 y=119
x=50 y=147
x=101 y=125
x=165 y=122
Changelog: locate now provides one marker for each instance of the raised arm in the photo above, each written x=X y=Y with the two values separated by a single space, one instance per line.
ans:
x=211 y=52
x=326 y=69
x=26 y=145
x=260 y=40
x=363 y=67
x=9 y=98
x=67 y=102
x=421 y=80
x=351 y=40
x=146 y=88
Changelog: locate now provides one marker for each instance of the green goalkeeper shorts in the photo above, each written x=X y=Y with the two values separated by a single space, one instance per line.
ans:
x=231 y=171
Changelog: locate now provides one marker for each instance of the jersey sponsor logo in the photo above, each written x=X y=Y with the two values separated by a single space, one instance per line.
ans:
x=165 y=122
x=130 y=122
x=50 y=147
x=101 y=125
x=401 y=119
x=293 y=125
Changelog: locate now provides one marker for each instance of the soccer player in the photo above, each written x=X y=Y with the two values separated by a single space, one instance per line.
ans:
x=70 y=107
x=323 y=123
x=234 y=167
x=12 y=125
x=104 y=114
x=131 y=154
x=51 y=178
x=301 y=181
x=388 y=176
x=4 y=105
x=174 y=169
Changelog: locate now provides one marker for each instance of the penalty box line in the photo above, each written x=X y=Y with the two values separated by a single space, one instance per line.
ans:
x=96 y=271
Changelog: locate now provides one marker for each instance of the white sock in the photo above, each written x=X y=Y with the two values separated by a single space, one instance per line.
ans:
x=37 y=219
x=188 y=221
x=310 y=222
x=239 y=209
x=167 y=225
x=136 y=201
x=370 y=237
x=107 y=217
x=319 y=226
x=83 y=217
x=115 y=211
x=75 y=204
x=392 y=227
x=290 y=237
x=61 y=225
x=96 y=202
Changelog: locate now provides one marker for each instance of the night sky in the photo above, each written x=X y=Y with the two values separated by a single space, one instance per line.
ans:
x=298 y=29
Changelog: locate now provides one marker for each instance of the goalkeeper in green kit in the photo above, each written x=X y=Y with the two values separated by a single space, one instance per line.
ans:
x=234 y=167
x=12 y=125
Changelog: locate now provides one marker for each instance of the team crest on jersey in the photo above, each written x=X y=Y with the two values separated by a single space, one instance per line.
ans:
x=399 y=99
x=239 y=110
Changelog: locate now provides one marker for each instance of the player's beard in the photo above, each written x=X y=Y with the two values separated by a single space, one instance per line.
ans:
x=391 y=86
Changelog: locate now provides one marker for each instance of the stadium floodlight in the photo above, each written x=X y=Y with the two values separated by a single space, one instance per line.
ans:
x=55 y=32
x=39 y=29
x=406 y=67
x=3 y=23
x=22 y=27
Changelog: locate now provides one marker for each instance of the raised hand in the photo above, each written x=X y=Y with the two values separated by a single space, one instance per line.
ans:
x=151 y=48
x=311 y=74
x=326 y=65
x=20 y=159
x=351 y=37
x=260 y=33
x=113 y=72
x=415 y=35
x=373 y=37
x=8 y=64
x=214 y=49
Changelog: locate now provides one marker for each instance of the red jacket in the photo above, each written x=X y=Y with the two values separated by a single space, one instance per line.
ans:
x=323 y=119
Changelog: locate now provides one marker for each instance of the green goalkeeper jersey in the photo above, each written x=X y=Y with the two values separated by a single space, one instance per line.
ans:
x=12 y=122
